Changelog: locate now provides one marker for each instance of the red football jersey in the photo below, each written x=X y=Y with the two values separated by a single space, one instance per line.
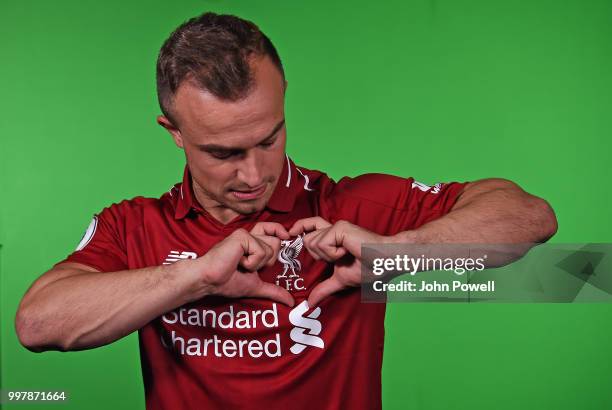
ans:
x=220 y=353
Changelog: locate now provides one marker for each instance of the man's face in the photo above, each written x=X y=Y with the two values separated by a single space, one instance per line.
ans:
x=235 y=150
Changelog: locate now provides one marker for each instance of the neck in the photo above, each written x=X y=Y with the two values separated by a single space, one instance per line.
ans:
x=217 y=210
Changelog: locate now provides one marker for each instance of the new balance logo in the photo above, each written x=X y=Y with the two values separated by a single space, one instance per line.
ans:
x=305 y=323
x=177 y=256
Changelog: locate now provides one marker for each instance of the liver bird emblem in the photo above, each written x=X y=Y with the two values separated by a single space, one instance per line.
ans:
x=288 y=254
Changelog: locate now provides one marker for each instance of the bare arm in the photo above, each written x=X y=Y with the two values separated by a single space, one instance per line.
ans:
x=491 y=211
x=487 y=214
x=75 y=307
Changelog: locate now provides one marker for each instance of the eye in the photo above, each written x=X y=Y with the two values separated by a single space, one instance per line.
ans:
x=222 y=154
x=267 y=143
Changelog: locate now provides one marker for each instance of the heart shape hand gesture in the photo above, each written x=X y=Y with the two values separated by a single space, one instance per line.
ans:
x=338 y=243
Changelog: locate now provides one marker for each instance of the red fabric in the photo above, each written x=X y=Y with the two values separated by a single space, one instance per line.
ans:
x=345 y=372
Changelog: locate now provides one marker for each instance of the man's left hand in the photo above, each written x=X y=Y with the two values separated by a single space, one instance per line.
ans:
x=339 y=244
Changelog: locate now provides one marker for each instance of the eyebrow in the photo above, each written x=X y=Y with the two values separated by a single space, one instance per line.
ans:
x=216 y=147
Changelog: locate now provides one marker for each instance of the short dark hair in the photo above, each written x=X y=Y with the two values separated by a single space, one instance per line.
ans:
x=214 y=51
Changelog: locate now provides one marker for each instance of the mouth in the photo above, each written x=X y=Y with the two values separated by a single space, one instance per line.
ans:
x=247 y=195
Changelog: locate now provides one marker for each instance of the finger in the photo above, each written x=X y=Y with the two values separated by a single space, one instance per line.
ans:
x=310 y=243
x=308 y=225
x=351 y=237
x=331 y=252
x=270 y=229
x=324 y=244
x=256 y=253
x=274 y=243
x=240 y=245
x=314 y=255
x=323 y=290
x=329 y=245
x=274 y=292
x=229 y=251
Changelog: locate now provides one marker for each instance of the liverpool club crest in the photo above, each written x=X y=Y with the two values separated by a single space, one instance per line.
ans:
x=289 y=252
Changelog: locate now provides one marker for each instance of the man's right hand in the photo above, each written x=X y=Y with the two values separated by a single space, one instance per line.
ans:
x=230 y=267
x=51 y=314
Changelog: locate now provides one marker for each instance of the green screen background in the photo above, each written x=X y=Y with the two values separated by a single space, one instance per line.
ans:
x=438 y=90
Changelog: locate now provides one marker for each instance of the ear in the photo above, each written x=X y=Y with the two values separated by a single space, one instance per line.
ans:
x=175 y=132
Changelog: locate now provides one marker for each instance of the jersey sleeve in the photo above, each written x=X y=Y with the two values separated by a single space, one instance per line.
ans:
x=389 y=204
x=103 y=245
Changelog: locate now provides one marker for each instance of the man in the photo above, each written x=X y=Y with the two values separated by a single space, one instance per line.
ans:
x=242 y=280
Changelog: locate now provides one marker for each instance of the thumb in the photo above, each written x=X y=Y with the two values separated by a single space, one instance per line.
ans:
x=323 y=290
x=274 y=292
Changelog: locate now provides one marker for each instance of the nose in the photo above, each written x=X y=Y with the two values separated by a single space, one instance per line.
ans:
x=250 y=170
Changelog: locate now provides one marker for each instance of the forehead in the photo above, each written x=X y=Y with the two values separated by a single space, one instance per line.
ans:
x=204 y=118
